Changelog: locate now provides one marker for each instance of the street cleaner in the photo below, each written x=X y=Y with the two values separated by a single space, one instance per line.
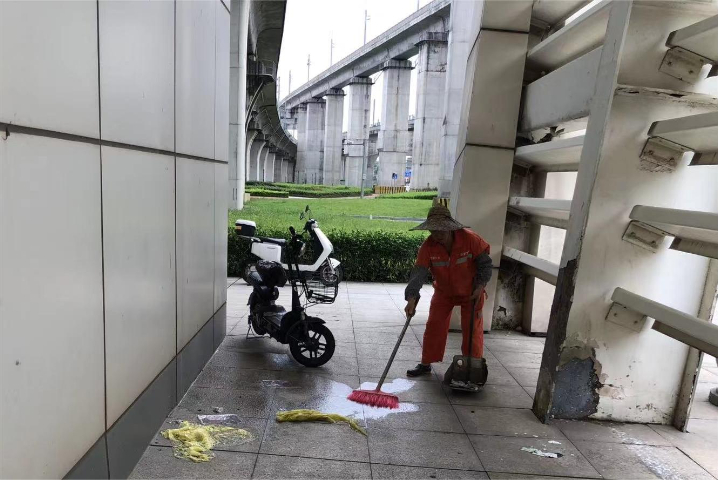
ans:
x=459 y=262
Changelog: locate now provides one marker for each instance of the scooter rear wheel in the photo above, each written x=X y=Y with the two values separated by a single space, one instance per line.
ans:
x=315 y=349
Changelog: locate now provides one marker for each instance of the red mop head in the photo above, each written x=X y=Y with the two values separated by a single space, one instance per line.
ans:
x=374 y=398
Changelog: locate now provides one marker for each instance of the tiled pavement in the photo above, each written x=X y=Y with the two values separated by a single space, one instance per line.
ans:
x=435 y=434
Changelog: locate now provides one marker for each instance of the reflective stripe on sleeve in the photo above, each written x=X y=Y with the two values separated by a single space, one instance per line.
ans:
x=464 y=259
x=439 y=264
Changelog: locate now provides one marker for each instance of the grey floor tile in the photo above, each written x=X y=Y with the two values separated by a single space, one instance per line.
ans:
x=699 y=444
x=703 y=390
x=527 y=345
x=245 y=403
x=515 y=476
x=315 y=440
x=492 y=396
x=619 y=461
x=511 y=422
x=253 y=344
x=382 y=336
x=423 y=449
x=253 y=360
x=214 y=376
x=408 y=390
x=595 y=431
x=704 y=411
x=159 y=462
x=414 y=416
x=504 y=454
x=374 y=367
x=526 y=377
x=405 y=352
x=255 y=426
x=518 y=359
x=337 y=365
x=381 y=471
x=277 y=466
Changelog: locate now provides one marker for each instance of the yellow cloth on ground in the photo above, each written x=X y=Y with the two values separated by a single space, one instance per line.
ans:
x=193 y=441
x=304 y=415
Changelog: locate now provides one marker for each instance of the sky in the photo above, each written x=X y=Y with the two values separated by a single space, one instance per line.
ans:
x=310 y=25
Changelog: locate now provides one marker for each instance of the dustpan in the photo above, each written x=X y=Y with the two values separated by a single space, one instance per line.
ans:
x=466 y=373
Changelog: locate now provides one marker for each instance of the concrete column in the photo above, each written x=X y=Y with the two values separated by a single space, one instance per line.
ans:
x=278 y=159
x=487 y=132
x=238 y=33
x=283 y=170
x=393 y=141
x=314 y=153
x=333 y=124
x=301 y=115
x=430 y=83
x=359 y=100
x=252 y=135
x=262 y=162
x=254 y=153
x=269 y=164
x=460 y=42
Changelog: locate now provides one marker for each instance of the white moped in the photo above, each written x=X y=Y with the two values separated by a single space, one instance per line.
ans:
x=327 y=268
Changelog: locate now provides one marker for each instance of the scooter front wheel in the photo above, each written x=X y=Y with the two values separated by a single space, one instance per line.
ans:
x=313 y=349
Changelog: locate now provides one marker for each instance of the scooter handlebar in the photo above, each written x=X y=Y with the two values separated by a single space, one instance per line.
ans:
x=292 y=231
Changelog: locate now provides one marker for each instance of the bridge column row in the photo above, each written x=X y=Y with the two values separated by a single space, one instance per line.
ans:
x=359 y=100
x=393 y=141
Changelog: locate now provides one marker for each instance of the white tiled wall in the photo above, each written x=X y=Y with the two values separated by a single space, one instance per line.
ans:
x=220 y=235
x=137 y=72
x=48 y=65
x=139 y=248
x=195 y=245
x=195 y=78
x=161 y=220
x=51 y=334
x=221 y=97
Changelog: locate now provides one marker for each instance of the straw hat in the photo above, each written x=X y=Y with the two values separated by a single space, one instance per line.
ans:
x=439 y=218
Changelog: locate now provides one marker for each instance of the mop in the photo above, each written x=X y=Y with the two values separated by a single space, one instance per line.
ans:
x=377 y=398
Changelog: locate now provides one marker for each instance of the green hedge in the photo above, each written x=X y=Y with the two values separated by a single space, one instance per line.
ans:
x=366 y=256
x=307 y=190
x=263 y=192
x=430 y=195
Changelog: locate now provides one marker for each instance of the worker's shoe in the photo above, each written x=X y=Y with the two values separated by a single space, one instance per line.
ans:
x=420 y=369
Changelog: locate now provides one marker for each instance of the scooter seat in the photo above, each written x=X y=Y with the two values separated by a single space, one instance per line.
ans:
x=276 y=241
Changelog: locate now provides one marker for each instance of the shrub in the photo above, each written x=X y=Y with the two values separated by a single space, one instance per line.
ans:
x=307 y=190
x=430 y=195
x=263 y=192
x=366 y=256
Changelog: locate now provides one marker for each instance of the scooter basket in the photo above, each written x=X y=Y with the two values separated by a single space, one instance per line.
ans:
x=320 y=288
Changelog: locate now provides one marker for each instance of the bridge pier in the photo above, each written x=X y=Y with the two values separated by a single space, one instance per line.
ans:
x=314 y=143
x=460 y=42
x=262 y=161
x=277 y=174
x=255 y=152
x=301 y=115
x=269 y=164
x=333 y=120
x=358 y=128
x=430 y=82
x=393 y=141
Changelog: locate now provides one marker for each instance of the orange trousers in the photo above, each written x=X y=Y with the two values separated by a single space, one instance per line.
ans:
x=437 y=327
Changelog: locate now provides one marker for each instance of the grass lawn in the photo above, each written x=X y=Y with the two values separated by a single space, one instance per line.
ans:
x=272 y=214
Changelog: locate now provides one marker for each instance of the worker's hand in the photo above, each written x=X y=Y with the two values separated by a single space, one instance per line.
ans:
x=410 y=308
x=477 y=292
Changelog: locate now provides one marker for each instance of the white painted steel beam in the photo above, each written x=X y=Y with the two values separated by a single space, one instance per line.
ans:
x=685 y=328
x=700 y=38
x=546 y=211
x=570 y=42
x=695 y=232
x=562 y=95
x=561 y=155
x=533 y=265
x=696 y=132
x=552 y=12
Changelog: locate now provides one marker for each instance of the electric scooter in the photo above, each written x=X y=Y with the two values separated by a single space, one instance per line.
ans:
x=311 y=343
x=272 y=249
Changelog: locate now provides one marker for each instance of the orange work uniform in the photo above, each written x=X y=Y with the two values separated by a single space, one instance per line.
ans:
x=453 y=285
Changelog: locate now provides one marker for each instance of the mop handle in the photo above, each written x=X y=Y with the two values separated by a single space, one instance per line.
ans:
x=393 y=354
